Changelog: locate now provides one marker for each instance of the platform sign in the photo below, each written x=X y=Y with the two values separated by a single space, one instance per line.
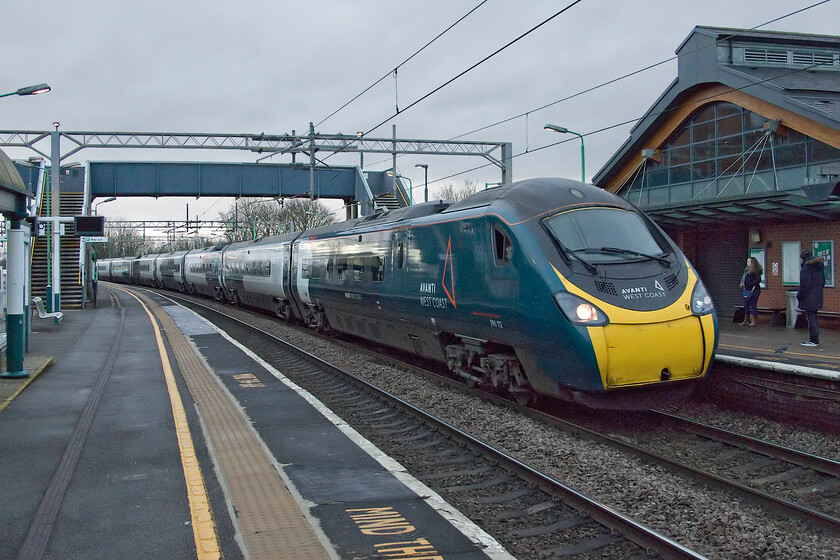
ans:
x=95 y=239
x=825 y=249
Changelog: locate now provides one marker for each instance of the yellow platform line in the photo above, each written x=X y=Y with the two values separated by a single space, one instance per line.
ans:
x=204 y=529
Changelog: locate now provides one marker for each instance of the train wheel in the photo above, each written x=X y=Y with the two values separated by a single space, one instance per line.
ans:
x=234 y=299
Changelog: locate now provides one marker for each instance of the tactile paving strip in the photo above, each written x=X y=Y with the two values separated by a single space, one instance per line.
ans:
x=270 y=521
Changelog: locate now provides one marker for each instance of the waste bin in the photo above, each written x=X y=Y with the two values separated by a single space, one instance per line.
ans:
x=793 y=305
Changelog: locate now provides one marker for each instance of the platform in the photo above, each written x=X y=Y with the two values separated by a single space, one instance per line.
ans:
x=779 y=349
x=143 y=432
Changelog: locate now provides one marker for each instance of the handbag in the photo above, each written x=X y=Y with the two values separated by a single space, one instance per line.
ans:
x=746 y=294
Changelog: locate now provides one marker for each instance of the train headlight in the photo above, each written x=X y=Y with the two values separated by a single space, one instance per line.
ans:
x=579 y=311
x=701 y=301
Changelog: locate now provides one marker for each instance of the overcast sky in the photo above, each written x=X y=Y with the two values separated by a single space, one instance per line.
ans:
x=276 y=66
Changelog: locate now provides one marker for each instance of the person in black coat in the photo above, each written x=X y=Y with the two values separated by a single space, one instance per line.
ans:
x=752 y=289
x=810 y=295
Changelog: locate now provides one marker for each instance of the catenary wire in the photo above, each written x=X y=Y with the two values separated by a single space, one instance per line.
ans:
x=635 y=120
x=474 y=66
x=394 y=70
x=588 y=90
x=620 y=78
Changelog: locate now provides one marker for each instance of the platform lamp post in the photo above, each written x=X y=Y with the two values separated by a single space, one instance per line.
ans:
x=28 y=90
x=96 y=206
x=14 y=205
x=564 y=130
x=426 y=187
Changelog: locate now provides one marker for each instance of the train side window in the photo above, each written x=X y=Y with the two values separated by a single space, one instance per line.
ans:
x=358 y=268
x=341 y=268
x=502 y=247
x=376 y=269
x=400 y=255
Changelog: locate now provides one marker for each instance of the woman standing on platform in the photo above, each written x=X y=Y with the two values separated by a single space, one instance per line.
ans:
x=752 y=289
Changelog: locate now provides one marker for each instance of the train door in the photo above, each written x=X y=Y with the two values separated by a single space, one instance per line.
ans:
x=503 y=274
x=398 y=280
x=299 y=253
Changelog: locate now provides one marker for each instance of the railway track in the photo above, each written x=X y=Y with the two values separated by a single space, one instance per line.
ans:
x=528 y=511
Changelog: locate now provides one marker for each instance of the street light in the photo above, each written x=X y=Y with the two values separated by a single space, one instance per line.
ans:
x=564 y=130
x=426 y=188
x=28 y=90
x=95 y=206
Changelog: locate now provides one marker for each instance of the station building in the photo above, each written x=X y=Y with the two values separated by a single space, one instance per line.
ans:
x=740 y=156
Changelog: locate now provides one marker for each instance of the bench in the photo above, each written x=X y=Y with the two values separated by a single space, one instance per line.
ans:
x=42 y=313
x=777 y=314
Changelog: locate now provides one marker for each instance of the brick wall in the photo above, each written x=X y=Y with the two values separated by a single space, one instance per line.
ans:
x=772 y=237
x=719 y=256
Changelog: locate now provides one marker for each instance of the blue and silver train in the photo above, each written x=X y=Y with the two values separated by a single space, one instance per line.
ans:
x=544 y=287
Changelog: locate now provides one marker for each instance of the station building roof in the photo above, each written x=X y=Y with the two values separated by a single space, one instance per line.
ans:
x=790 y=81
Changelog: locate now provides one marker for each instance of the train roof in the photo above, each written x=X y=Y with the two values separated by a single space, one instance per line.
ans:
x=533 y=197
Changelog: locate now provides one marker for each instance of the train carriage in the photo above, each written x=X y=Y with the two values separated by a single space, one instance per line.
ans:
x=121 y=270
x=103 y=269
x=144 y=270
x=256 y=273
x=170 y=270
x=202 y=272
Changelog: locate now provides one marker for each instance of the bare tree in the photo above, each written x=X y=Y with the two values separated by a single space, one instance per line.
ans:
x=305 y=213
x=451 y=192
x=123 y=241
x=253 y=218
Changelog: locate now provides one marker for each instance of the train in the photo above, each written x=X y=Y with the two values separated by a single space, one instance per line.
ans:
x=540 y=288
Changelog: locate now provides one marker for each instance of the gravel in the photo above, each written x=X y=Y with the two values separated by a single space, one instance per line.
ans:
x=710 y=522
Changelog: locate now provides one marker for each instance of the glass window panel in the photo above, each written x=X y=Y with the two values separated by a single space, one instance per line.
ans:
x=765 y=162
x=703 y=170
x=787 y=156
x=751 y=139
x=818 y=151
x=729 y=126
x=705 y=131
x=727 y=109
x=754 y=121
x=703 y=150
x=679 y=156
x=707 y=113
x=728 y=165
x=729 y=146
x=680 y=174
x=682 y=138
x=657 y=178
x=795 y=137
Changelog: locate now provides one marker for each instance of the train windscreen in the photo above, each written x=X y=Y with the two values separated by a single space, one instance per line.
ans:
x=605 y=235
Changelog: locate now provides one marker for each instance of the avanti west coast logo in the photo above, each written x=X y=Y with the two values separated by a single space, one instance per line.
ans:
x=639 y=292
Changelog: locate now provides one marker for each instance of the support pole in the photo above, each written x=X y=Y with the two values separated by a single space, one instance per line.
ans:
x=15 y=291
x=55 y=207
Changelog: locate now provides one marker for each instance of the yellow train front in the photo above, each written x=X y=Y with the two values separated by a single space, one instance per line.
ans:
x=635 y=327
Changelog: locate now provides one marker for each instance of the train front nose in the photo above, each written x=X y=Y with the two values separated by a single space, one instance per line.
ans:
x=639 y=354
